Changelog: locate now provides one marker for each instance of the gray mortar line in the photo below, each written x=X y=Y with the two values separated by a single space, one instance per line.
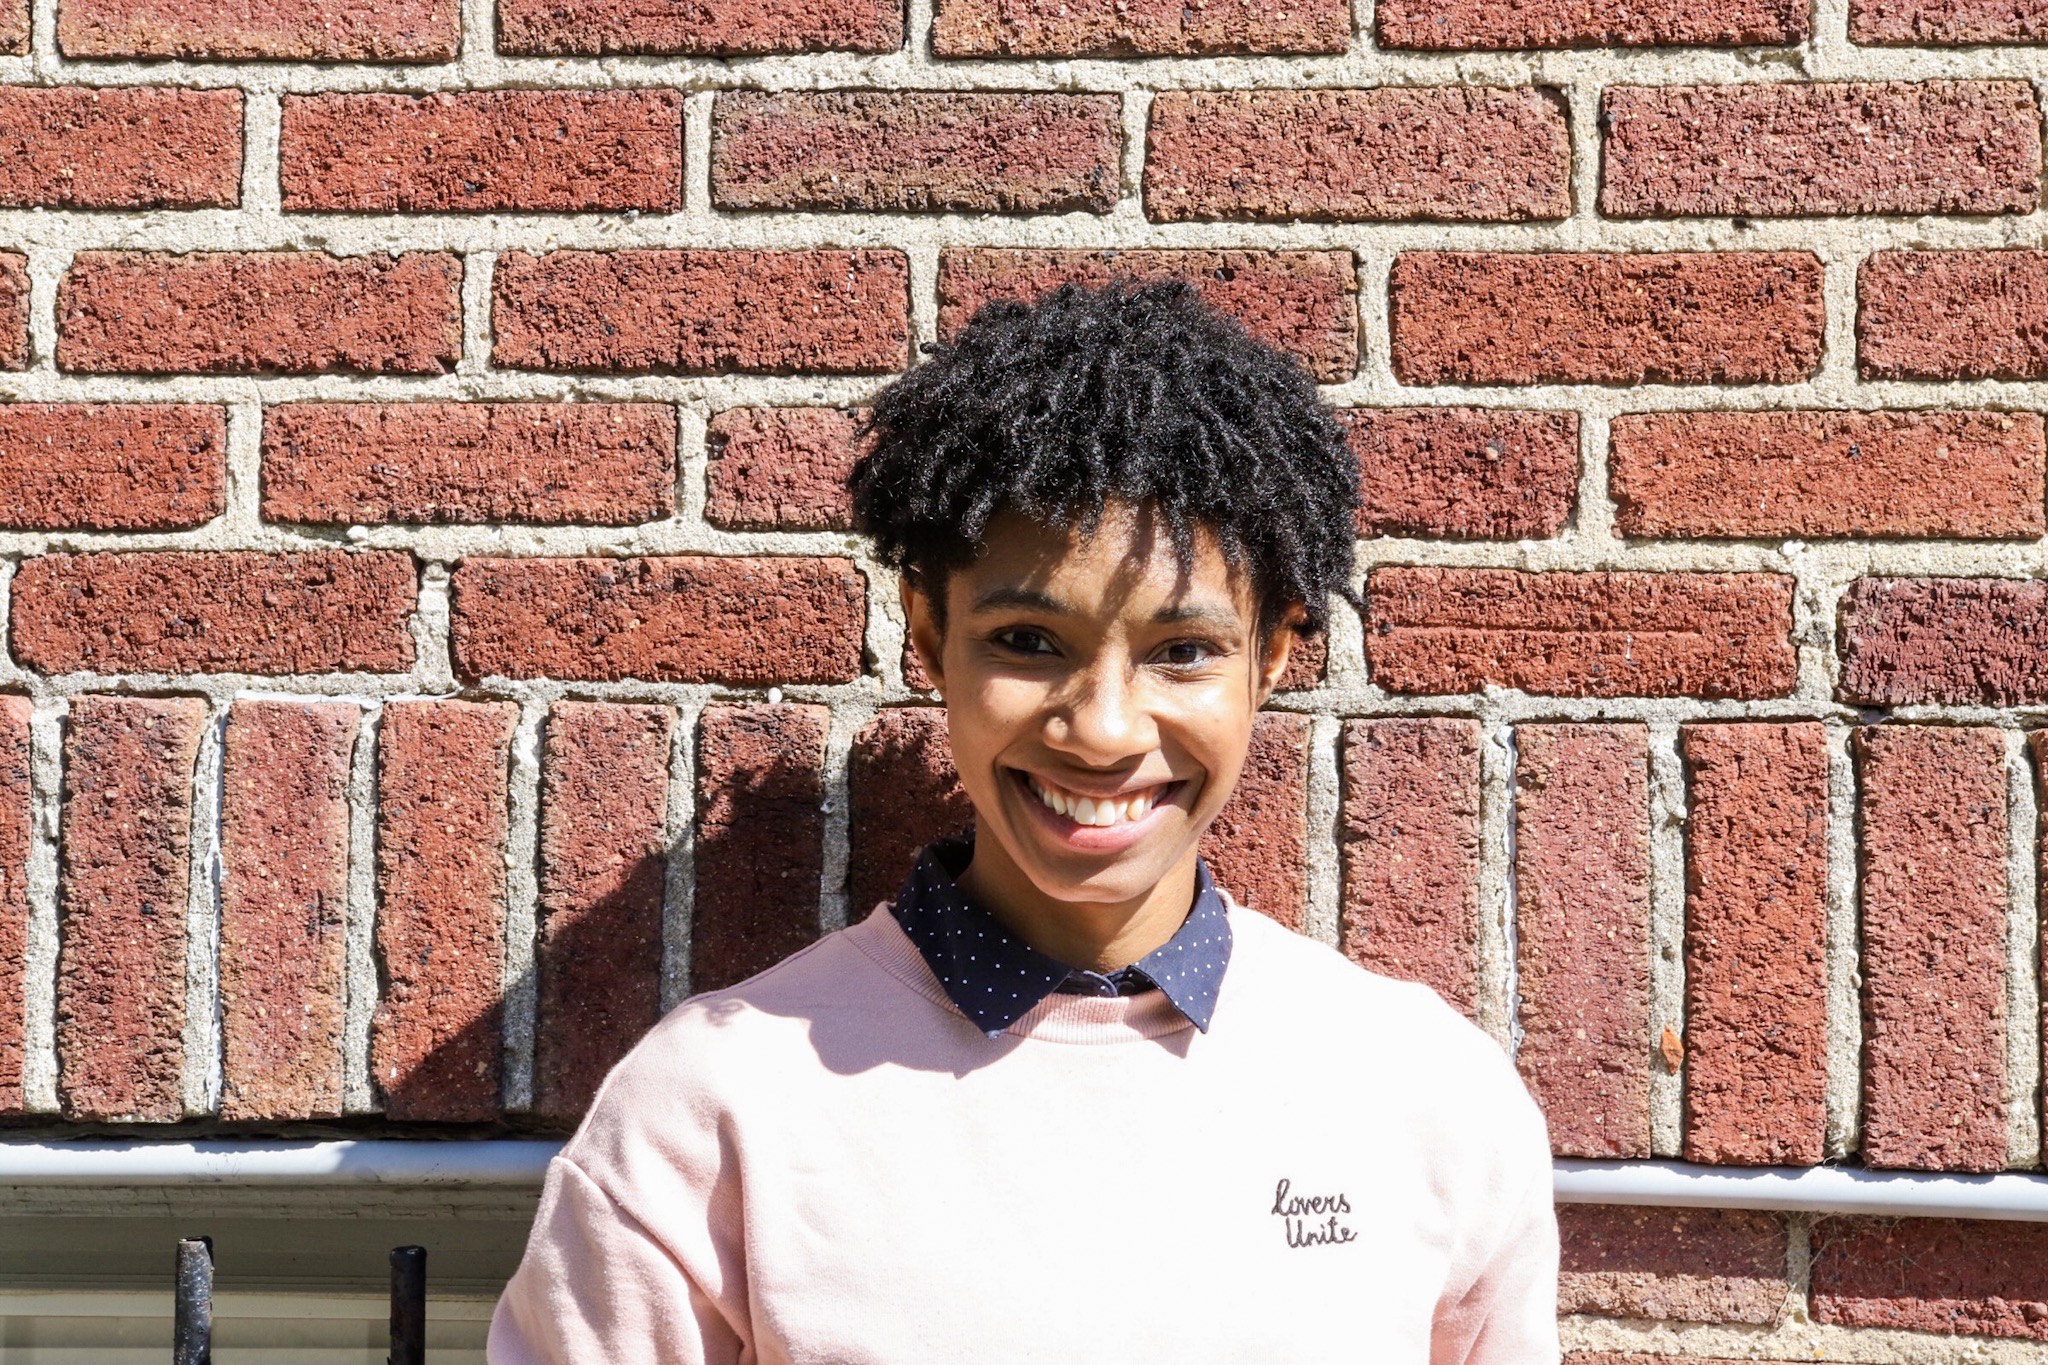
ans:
x=201 y=1078
x=1667 y=813
x=1375 y=336
x=478 y=269
x=359 y=933
x=522 y=858
x=1501 y=1006
x=243 y=510
x=697 y=124
x=46 y=267
x=2023 y=992
x=1798 y=1267
x=1844 y=952
x=1324 y=815
x=433 y=662
x=1592 y=521
x=262 y=188
x=693 y=467
x=835 y=906
x=39 y=965
x=679 y=882
x=1134 y=117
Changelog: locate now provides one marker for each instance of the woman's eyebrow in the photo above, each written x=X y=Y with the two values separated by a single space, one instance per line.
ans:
x=1031 y=598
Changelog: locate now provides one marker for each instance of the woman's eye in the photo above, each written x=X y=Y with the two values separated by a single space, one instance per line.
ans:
x=1023 y=641
x=1186 y=653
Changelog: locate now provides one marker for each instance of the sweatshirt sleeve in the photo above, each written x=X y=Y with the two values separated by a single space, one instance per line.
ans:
x=594 y=1285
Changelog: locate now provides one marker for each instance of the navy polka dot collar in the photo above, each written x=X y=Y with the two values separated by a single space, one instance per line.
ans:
x=995 y=978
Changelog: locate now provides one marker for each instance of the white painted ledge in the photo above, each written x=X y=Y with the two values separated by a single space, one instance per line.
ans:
x=522 y=1162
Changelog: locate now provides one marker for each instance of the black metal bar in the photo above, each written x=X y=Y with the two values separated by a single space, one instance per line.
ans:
x=408 y=1306
x=192 y=1320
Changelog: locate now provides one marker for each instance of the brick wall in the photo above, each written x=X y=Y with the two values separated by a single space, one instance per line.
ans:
x=432 y=644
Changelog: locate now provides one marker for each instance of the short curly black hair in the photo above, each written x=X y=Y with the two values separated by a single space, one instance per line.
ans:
x=1135 y=391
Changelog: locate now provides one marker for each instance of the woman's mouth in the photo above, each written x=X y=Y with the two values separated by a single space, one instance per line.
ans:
x=1096 y=823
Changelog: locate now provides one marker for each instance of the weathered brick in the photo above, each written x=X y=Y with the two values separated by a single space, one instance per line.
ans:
x=1954 y=474
x=16 y=834
x=137 y=147
x=1692 y=1265
x=781 y=469
x=903 y=791
x=734 y=28
x=1257 y=847
x=1698 y=317
x=111 y=466
x=1952 y=315
x=675 y=618
x=1444 y=153
x=1411 y=854
x=603 y=864
x=284 y=907
x=256 y=312
x=126 y=834
x=13 y=311
x=1788 y=147
x=1595 y=634
x=14 y=27
x=702 y=312
x=760 y=839
x=915 y=151
x=1582 y=882
x=215 y=611
x=242 y=30
x=1300 y=301
x=1934 y=925
x=443 y=807
x=1477 y=24
x=470 y=151
x=1958 y=641
x=1918 y=23
x=1137 y=28
x=1464 y=473
x=590 y=464
x=1948 y=1275
x=1756 y=937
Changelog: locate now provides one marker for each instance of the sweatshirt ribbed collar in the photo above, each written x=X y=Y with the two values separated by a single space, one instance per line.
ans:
x=995 y=978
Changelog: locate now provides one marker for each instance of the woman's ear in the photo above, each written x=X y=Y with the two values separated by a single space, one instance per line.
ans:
x=921 y=624
x=1275 y=650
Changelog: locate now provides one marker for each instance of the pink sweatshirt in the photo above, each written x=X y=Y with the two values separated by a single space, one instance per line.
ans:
x=828 y=1163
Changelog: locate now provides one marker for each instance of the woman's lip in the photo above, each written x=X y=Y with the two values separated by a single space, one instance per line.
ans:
x=1082 y=838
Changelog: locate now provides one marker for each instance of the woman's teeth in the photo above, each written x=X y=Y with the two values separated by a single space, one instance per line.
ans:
x=1086 y=810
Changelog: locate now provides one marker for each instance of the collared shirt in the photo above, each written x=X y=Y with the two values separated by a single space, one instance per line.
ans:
x=995 y=977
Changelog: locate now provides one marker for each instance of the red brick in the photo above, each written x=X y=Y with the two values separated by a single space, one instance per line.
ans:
x=590 y=28
x=529 y=151
x=1300 y=301
x=111 y=466
x=257 y=312
x=1410 y=844
x=904 y=791
x=1595 y=634
x=781 y=469
x=1756 y=938
x=1257 y=847
x=703 y=312
x=1952 y=315
x=591 y=464
x=674 y=618
x=1437 y=153
x=1934 y=927
x=122 y=148
x=284 y=907
x=915 y=151
x=1948 y=1275
x=1464 y=473
x=1952 y=474
x=1786 y=147
x=16 y=836
x=760 y=839
x=126 y=835
x=1582 y=883
x=1959 y=641
x=13 y=311
x=1455 y=24
x=14 y=26
x=216 y=611
x=1136 y=28
x=1618 y=318
x=603 y=865
x=1920 y=23
x=239 y=30
x=1692 y=1265
x=442 y=813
